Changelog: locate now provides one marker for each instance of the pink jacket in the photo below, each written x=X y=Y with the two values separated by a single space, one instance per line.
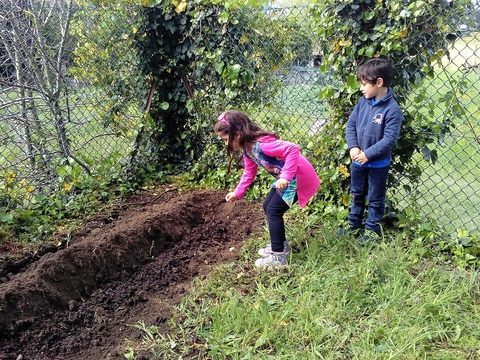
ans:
x=294 y=164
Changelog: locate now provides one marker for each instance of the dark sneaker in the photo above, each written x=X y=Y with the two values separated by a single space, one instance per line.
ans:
x=370 y=236
x=267 y=250
x=345 y=231
x=272 y=260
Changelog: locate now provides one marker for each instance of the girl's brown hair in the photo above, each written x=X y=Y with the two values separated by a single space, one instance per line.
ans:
x=234 y=122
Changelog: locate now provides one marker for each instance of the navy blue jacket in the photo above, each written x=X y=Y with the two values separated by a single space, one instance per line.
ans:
x=375 y=128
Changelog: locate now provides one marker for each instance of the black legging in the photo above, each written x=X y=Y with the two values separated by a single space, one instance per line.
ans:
x=275 y=207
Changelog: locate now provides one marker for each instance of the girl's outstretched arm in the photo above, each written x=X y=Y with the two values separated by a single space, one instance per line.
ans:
x=249 y=173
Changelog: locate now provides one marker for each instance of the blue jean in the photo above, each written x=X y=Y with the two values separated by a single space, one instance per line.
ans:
x=274 y=208
x=371 y=184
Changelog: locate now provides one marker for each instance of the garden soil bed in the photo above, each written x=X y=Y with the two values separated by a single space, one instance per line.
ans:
x=78 y=301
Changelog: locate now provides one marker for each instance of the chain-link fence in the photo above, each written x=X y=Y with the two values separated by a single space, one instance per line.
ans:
x=70 y=95
x=449 y=190
x=60 y=105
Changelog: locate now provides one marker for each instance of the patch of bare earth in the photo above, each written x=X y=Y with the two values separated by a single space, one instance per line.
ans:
x=76 y=303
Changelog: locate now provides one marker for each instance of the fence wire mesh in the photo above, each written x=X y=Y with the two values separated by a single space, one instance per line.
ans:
x=449 y=190
x=69 y=95
x=61 y=104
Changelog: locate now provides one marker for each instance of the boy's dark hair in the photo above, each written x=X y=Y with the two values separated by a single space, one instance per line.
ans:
x=239 y=123
x=381 y=67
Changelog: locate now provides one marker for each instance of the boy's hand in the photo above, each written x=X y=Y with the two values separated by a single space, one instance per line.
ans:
x=354 y=151
x=231 y=197
x=282 y=184
x=361 y=158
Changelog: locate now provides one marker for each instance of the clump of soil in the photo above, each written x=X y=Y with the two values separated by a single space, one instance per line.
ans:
x=133 y=264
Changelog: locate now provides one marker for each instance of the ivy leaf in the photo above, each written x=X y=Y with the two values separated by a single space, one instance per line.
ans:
x=219 y=67
x=340 y=7
x=181 y=7
x=150 y=3
x=345 y=43
x=164 y=105
x=237 y=68
x=426 y=153
x=223 y=18
x=5 y=218
x=343 y=170
x=352 y=81
x=342 y=214
x=434 y=156
x=326 y=92
x=369 y=51
x=233 y=72
x=368 y=15
x=451 y=37
x=231 y=93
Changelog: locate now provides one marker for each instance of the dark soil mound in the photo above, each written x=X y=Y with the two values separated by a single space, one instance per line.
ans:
x=134 y=264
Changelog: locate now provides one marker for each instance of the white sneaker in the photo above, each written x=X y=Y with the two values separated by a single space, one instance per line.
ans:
x=272 y=260
x=267 y=250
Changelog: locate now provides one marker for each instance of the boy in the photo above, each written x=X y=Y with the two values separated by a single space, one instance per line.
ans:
x=372 y=131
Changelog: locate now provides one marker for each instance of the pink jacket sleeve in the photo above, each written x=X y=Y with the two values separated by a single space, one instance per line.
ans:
x=284 y=150
x=249 y=173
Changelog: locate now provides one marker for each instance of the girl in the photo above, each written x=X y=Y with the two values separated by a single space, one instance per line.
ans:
x=295 y=178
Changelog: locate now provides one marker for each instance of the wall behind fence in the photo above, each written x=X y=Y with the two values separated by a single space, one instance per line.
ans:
x=71 y=101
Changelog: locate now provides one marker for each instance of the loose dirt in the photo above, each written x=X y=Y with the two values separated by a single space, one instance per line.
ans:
x=78 y=301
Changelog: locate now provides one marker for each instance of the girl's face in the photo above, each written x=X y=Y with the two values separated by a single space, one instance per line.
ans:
x=235 y=142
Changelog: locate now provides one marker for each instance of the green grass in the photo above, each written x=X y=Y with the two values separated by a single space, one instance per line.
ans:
x=450 y=186
x=465 y=49
x=448 y=189
x=336 y=300
x=443 y=82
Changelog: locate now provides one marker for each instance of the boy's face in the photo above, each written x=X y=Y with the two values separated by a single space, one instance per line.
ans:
x=376 y=91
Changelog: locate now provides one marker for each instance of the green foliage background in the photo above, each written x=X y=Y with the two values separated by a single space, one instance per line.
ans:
x=219 y=76
x=353 y=32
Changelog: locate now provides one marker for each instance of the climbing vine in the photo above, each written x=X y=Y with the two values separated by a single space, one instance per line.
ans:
x=416 y=36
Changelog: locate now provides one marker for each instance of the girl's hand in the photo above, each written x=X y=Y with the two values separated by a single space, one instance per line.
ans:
x=231 y=197
x=282 y=183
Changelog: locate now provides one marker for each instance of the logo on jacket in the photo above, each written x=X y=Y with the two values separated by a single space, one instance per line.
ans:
x=377 y=119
